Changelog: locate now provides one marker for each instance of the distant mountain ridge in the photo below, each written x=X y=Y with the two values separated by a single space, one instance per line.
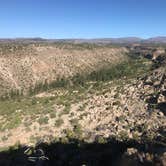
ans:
x=159 y=39
x=122 y=40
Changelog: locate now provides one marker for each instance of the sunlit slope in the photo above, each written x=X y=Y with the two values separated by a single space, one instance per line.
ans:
x=22 y=66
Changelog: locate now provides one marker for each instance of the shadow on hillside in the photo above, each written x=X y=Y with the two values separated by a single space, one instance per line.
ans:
x=75 y=153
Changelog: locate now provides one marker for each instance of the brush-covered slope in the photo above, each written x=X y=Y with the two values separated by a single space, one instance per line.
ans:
x=22 y=66
x=125 y=102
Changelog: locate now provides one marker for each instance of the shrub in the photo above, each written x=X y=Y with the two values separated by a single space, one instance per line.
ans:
x=101 y=140
x=64 y=140
x=43 y=120
x=82 y=107
x=33 y=102
x=59 y=122
x=67 y=109
x=4 y=138
x=69 y=133
x=78 y=130
x=74 y=121
x=52 y=115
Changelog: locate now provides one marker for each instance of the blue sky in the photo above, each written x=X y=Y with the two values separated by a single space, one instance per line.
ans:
x=82 y=18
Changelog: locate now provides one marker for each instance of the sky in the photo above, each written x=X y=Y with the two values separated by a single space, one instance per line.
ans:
x=82 y=18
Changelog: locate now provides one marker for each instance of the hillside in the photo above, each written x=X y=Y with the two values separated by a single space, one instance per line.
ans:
x=108 y=108
x=24 y=65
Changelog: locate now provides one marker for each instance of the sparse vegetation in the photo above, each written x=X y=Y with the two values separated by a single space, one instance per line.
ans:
x=82 y=107
x=130 y=68
x=101 y=140
x=74 y=121
x=43 y=120
x=67 y=109
x=52 y=115
x=4 y=138
x=59 y=122
x=78 y=131
x=13 y=122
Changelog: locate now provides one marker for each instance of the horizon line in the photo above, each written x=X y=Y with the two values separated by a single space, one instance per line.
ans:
x=85 y=38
